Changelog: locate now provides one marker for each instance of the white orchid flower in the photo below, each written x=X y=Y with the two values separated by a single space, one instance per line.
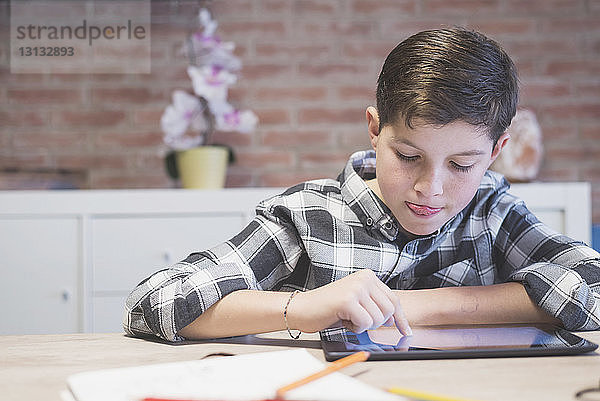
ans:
x=210 y=82
x=183 y=121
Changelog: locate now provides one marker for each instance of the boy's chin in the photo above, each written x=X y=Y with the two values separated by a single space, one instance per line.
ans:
x=421 y=230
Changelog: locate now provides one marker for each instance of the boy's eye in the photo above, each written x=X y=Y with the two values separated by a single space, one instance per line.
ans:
x=460 y=167
x=407 y=158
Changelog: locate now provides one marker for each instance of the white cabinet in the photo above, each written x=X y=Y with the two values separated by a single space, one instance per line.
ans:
x=40 y=275
x=69 y=258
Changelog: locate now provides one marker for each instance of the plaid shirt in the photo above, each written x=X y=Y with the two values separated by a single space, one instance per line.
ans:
x=320 y=231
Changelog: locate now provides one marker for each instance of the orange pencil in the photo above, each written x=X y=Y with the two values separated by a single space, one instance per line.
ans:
x=332 y=367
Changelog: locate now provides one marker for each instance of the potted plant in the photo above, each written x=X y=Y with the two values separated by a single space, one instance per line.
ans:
x=191 y=120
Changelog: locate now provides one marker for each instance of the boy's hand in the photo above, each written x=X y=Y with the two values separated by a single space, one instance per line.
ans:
x=359 y=301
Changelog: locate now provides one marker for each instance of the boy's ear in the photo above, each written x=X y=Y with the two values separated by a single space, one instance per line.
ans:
x=502 y=141
x=373 y=125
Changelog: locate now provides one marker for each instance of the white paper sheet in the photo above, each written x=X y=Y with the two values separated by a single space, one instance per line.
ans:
x=243 y=377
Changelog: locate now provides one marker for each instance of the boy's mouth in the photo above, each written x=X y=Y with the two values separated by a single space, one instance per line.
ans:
x=422 y=210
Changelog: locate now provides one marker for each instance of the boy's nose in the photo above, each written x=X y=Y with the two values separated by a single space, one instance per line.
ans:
x=429 y=184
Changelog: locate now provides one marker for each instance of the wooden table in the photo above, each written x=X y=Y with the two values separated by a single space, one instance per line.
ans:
x=35 y=367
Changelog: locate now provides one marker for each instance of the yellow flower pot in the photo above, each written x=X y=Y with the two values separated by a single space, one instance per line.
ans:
x=204 y=167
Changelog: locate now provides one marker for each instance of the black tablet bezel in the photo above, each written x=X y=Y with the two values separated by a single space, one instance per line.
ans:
x=336 y=349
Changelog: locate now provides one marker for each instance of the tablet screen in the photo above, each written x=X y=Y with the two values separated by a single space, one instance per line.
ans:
x=455 y=342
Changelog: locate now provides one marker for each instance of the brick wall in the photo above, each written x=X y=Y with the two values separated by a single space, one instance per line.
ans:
x=309 y=70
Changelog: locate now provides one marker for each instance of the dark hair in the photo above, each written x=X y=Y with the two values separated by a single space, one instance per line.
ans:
x=446 y=75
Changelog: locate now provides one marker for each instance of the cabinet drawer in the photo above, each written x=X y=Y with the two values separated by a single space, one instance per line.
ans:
x=127 y=249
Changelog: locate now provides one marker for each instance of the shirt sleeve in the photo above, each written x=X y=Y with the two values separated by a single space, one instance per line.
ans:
x=560 y=274
x=260 y=257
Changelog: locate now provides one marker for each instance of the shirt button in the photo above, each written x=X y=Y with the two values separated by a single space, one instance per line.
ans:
x=388 y=226
x=369 y=221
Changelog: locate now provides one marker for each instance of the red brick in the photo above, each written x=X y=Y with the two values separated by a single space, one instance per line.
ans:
x=322 y=159
x=355 y=139
x=558 y=131
x=128 y=180
x=126 y=95
x=287 y=179
x=285 y=94
x=253 y=72
x=150 y=159
x=571 y=151
x=400 y=29
x=89 y=118
x=568 y=25
x=332 y=71
x=239 y=180
x=360 y=49
x=544 y=90
x=128 y=139
x=591 y=132
x=237 y=94
x=331 y=29
x=297 y=138
x=384 y=8
x=573 y=67
x=272 y=116
x=330 y=115
x=49 y=140
x=314 y=7
x=540 y=47
x=221 y=9
x=510 y=26
x=554 y=174
x=260 y=159
x=92 y=162
x=574 y=111
x=18 y=79
x=30 y=158
x=250 y=29
x=591 y=173
x=292 y=50
x=538 y=8
x=23 y=118
x=461 y=7
x=29 y=96
x=232 y=138
x=360 y=92
x=149 y=117
x=587 y=88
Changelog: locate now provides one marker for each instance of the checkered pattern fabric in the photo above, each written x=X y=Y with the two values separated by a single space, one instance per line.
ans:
x=320 y=231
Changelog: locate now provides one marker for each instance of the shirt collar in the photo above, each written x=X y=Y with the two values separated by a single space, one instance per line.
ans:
x=371 y=211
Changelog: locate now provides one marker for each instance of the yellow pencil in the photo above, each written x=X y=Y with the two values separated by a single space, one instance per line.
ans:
x=332 y=367
x=419 y=395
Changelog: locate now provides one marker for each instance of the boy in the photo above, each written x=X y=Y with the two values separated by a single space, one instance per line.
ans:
x=415 y=231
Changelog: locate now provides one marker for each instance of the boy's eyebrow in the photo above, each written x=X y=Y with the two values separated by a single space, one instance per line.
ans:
x=473 y=152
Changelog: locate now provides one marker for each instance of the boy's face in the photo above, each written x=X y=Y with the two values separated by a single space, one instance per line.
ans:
x=428 y=174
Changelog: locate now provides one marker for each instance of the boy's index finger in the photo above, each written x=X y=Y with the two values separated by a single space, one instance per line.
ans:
x=401 y=321
x=399 y=317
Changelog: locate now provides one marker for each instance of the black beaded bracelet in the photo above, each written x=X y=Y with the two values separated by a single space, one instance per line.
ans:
x=285 y=316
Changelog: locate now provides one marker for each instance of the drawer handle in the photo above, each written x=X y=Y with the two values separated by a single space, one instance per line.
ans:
x=167 y=257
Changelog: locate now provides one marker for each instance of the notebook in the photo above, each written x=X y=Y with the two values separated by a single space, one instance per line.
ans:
x=253 y=376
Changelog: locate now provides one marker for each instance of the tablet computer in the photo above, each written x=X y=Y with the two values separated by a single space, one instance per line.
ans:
x=462 y=341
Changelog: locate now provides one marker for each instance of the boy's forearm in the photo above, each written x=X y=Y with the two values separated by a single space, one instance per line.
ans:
x=249 y=312
x=499 y=303
x=239 y=313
